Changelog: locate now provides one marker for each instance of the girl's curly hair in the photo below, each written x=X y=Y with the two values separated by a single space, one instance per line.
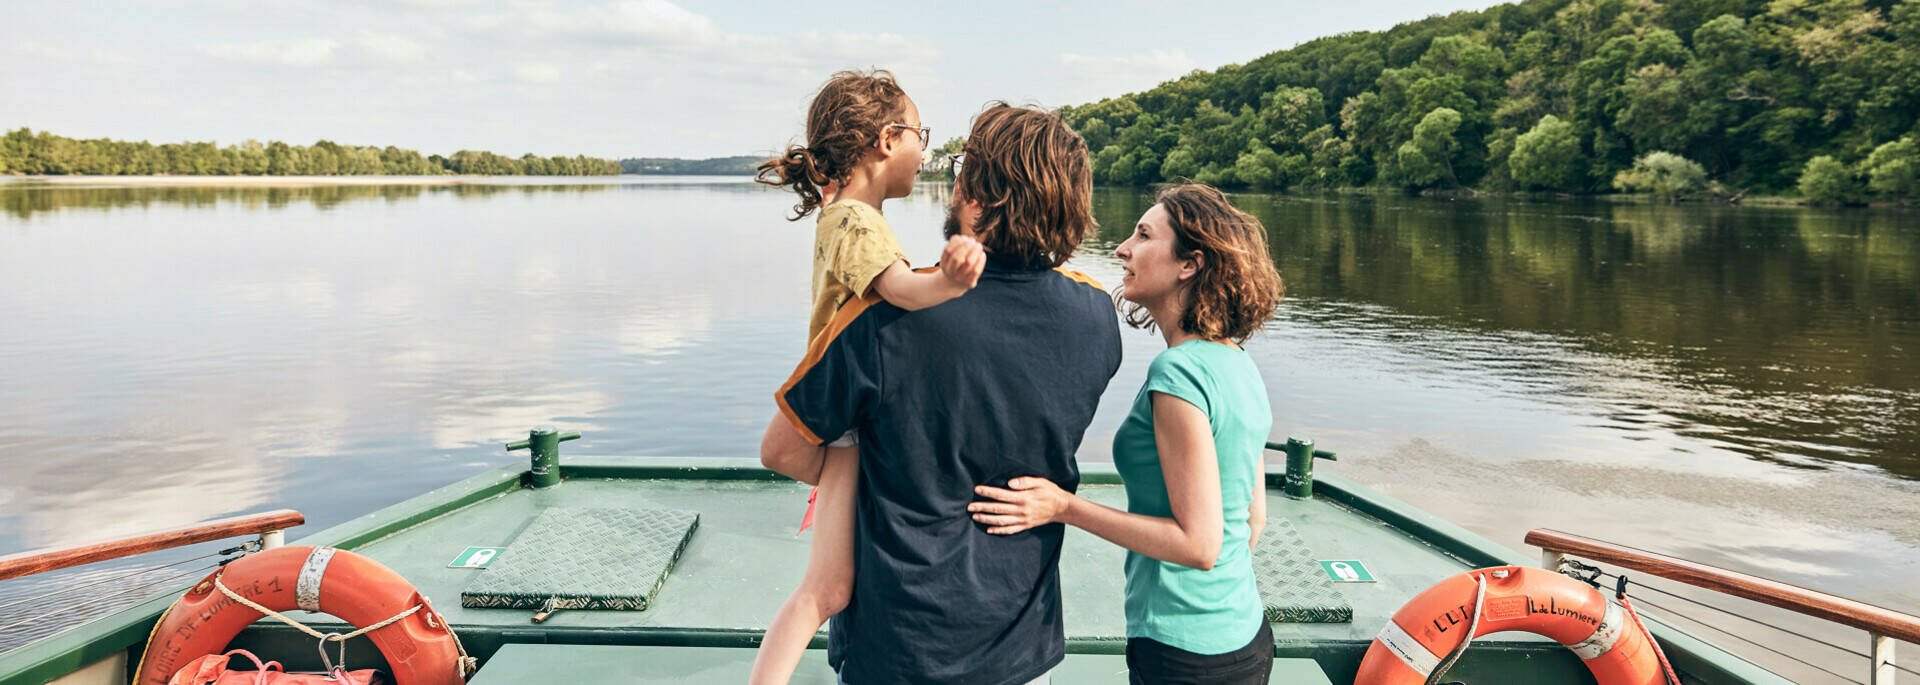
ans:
x=1234 y=294
x=844 y=123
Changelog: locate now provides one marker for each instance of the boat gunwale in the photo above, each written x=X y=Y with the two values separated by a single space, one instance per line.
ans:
x=122 y=630
x=1684 y=649
x=78 y=647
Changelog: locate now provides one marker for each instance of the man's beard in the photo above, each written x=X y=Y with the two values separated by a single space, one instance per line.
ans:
x=952 y=227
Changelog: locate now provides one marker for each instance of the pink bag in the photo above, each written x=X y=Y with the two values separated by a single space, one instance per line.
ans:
x=212 y=670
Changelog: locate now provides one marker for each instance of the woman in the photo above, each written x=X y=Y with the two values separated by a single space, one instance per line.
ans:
x=1190 y=451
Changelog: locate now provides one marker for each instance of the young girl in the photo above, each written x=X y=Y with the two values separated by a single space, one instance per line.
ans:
x=864 y=146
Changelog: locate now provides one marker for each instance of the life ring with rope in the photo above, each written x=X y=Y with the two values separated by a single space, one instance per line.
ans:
x=419 y=646
x=1430 y=631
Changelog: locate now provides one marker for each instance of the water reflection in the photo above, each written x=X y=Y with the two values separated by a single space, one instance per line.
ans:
x=23 y=200
x=1786 y=334
x=1603 y=368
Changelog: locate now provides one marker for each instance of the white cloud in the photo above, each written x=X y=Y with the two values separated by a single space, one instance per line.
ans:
x=649 y=31
x=304 y=52
x=611 y=77
x=645 y=20
x=537 y=73
x=1077 y=77
x=72 y=53
x=392 y=48
x=1152 y=64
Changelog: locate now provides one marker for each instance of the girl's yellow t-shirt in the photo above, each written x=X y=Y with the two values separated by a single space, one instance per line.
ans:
x=852 y=245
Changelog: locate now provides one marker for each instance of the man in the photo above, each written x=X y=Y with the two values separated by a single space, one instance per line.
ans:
x=998 y=383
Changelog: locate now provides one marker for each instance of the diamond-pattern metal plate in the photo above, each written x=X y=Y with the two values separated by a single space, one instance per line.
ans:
x=1292 y=584
x=585 y=559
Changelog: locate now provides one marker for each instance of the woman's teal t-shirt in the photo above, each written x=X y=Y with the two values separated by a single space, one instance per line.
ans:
x=1218 y=610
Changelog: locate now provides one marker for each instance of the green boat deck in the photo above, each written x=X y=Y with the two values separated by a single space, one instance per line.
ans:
x=743 y=558
x=601 y=664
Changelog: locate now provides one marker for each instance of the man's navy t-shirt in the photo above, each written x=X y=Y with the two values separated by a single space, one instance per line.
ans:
x=998 y=383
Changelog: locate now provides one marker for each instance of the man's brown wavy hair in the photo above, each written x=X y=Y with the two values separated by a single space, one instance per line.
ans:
x=1236 y=289
x=1030 y=173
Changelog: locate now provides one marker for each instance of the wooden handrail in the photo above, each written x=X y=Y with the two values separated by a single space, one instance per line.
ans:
x=41 y=561
x=1873 y=619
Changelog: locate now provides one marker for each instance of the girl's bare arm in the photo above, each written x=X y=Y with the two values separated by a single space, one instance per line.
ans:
x=960 y=267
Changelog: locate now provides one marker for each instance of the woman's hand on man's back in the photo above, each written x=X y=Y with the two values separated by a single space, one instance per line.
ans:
x=1026 y=502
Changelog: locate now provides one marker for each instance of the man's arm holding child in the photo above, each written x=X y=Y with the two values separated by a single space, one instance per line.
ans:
x=783 y=451
x=960 y=267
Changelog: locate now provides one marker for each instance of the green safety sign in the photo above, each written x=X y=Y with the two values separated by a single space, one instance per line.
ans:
x=476 y=557
x=1346 y=571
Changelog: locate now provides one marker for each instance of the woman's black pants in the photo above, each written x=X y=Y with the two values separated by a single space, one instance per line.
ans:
x=1150 y=662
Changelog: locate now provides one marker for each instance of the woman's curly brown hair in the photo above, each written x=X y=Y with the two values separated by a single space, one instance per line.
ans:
x=844 y=123
x=1237 y=287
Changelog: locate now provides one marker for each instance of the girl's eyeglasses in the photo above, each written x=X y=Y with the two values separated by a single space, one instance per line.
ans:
x=926 y=132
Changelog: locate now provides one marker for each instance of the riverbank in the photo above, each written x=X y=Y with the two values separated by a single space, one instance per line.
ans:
x=1536 y=196
x=242 y=181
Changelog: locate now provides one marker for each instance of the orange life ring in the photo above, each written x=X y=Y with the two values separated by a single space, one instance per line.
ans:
x=1433 y=623
x=420 y=649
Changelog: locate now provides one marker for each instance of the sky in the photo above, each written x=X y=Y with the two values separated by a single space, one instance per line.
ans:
x=605 y=78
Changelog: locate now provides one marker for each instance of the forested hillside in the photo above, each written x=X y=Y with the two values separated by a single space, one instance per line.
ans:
x=1813 y=96
x=24 y=152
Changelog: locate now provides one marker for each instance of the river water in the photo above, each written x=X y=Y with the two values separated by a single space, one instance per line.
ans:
x=1737 y=386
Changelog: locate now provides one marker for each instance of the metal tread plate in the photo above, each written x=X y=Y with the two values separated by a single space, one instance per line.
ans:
x=585 y=559
x=1292 y=585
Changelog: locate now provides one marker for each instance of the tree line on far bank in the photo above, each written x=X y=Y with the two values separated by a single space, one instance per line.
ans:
x=713 y=166
x=24 y=151
x=1675 y=98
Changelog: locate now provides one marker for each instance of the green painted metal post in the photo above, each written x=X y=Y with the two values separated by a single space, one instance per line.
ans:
x=544 y=442
x=1299 y=484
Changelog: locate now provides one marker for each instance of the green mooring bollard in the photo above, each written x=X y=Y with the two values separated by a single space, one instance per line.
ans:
x=544 y=441
x=1299 y=484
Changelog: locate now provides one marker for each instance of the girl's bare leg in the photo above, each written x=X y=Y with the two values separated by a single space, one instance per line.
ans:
x=828 y=584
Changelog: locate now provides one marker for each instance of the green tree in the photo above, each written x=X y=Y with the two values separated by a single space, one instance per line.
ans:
x=1548 y=156
x=323 y=158
x=1499 y=158
x=1103 y=162
x=1656 y=109
x=1260 y=167
x=1751 y=89
x=284 y=159
x=1893 y=170
x=1427 y=159
x=1122 y=171
x=1180 y=163
x=1287 y=115
x=1097 y=133
x=1663 y=174
x=1217 y=175
x=1829 y=181
x=251 y=158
